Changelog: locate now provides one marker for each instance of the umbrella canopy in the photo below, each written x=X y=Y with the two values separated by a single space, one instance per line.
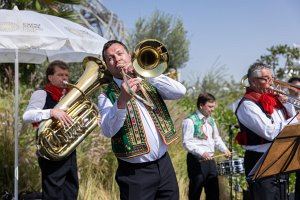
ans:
x=31 y=37
x=39 y=37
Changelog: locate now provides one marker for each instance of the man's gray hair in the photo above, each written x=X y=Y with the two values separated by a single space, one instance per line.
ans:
x=256 y=68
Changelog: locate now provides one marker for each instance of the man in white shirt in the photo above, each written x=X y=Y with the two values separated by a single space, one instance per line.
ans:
x=200 y=138
x=262 y=114
x=139 y=133
x=59 y=178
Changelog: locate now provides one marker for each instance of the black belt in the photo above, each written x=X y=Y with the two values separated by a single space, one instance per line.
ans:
x=123 y=163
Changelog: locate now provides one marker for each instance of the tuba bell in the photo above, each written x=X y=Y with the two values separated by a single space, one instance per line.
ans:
x=54 y=141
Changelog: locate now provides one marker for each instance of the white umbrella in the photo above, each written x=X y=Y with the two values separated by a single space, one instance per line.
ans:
x=39 y=36
x=31 y=37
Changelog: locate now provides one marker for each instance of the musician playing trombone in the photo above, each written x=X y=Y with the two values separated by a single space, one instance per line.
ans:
x=262 y=114
x=139 y=131
x=200 y=137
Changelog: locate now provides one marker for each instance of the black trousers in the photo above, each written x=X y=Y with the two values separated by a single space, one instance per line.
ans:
x=59 y=178
x=147 y=181
x=202 y=174
x=271 y=188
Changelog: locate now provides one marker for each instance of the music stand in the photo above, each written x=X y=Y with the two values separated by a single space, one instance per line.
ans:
x=282 y=156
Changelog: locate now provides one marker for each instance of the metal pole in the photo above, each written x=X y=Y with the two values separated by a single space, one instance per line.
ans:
x=230 y=159
x=16 y=125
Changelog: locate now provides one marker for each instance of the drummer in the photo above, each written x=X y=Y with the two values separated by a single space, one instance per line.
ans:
x=200 y=137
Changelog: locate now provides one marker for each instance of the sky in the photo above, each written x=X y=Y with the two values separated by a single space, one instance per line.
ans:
x=231 y=34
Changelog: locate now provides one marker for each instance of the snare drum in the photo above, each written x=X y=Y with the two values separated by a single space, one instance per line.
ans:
x=233 y=166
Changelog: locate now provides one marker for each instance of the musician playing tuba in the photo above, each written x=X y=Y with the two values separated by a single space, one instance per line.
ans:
x=135 y=117
x=59 y=178
x=262 y=114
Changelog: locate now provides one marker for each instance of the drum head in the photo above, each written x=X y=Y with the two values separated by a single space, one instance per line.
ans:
x=231 y=166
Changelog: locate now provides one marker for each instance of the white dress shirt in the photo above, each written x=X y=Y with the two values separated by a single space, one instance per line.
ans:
x=112 y=118
x=251 y=116
x=34 y=111
x=198 y=146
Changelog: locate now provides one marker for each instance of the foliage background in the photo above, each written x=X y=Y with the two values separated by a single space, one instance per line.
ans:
x=96 y=162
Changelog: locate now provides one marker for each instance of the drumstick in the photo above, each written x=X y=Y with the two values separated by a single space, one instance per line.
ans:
x=223 y=154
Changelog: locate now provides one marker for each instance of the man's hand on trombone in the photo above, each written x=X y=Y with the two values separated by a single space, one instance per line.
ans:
x=129 y=86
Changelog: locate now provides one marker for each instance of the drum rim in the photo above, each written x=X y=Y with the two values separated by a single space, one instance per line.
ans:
x=230 y=166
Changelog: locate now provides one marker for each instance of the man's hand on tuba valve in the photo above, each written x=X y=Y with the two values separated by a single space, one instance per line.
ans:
x=61 y=116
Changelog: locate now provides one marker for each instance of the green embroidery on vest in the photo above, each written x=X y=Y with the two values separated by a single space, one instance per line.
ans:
x=130 y=141
x=198 y=126
x=160 y=115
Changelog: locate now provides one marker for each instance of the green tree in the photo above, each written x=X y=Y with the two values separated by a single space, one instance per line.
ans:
x=167 y=29
x=57 y=7
x=282 y=58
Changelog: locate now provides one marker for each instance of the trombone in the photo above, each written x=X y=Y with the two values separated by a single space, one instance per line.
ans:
x=291 y=99
x=278 y=86
x=150 y=59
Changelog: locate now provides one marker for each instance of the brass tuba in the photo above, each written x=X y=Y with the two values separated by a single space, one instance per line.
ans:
x=54 y=141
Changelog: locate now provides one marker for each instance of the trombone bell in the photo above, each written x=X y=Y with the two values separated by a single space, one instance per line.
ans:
x=150 y=58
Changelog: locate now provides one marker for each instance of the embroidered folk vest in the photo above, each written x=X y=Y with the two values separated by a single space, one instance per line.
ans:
x=130 y=140
x=198 y=126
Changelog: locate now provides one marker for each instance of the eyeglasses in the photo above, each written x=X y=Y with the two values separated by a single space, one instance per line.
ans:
x=265 y=78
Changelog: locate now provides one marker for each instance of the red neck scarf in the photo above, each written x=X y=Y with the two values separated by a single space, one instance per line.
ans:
x=55 y=92
x=268 y=101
